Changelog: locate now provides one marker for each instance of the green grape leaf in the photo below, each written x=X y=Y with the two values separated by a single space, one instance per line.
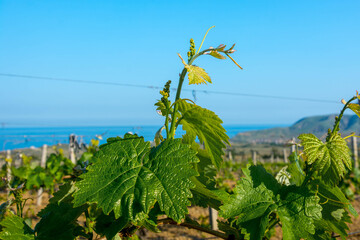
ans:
x=206 y=125
x=247 y=202
x=128 y=178
x=259 y=176
x=59 y=218
x=14 y=228
x=108 y=225
x=355 y=108
x=36 y=178
x=296 y=170
x=4 y=207
x=334 y=204
x=216 y=54
x=171 y=162
x=298 y=209
x=161 y=107
x=252 y=202
x=205 y=193
x=255 y=228
x=330 y=159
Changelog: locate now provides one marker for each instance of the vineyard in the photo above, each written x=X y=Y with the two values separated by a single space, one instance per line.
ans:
x=129 y=186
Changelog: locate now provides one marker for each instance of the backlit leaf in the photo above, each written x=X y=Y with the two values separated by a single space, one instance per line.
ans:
x=355 y=108
x=206 y=125
x=330 y=159
x=197 y=75
x=216 y=54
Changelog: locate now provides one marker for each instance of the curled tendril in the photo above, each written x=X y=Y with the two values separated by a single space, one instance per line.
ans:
x=327 y=198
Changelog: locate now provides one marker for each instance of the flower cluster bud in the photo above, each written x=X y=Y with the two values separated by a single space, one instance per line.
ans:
x=192 y=51
x=165 y=92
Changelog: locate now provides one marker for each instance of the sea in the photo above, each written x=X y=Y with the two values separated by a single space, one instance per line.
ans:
x=30 y=137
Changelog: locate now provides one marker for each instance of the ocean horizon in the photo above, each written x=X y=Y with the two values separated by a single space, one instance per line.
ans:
x=26 y=137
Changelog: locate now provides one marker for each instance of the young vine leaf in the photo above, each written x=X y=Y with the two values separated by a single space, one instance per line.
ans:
x=252 y=202
x=196 y=74
x=206 y=125
x=129 y=177
x=258 y=195
x=330 y=159
x=217 y=55
x=14 y=228
x=355 y=108
x=247 y=202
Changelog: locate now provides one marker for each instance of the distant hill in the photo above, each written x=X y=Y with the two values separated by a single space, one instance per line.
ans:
x=317 y=125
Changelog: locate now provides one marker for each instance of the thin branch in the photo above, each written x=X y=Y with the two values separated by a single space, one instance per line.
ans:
x=192 y=226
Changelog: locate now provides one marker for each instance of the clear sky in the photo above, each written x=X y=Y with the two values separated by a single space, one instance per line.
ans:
x=300 y=49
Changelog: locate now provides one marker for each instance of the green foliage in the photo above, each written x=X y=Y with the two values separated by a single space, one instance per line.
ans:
x=355 y=108
x=57 y=166
x=298 y=207
x=259 y=200
x=196 y=74
x=130 y=177
x=350 y=184
x=127 y=184
x=59 y=218
x=330 y=159
x=14 y=228
x=206 y=125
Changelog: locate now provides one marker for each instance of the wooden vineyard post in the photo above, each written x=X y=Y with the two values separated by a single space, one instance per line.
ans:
x=285 y=155
x=230 y=156
x=355 y=152
x=72 y=148
x=8 y=168
x=43 y=165
x=254 y=156
x=213 y=215
x=272 y=158
x=293 y=147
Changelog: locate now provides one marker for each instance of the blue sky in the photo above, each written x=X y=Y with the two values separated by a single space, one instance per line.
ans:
x=305 y=49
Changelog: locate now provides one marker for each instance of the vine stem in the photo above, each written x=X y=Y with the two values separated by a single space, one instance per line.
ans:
x=337 y=122
x=273 y=223
x=308 y=177
x=334 y=131
x=178 y=92
x=193 y=226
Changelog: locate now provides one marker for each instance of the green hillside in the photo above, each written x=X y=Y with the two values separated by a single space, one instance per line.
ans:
x=317 y=125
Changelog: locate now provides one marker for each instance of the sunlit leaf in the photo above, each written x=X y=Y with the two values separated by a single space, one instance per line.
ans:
x=330 y=159
x=130 y=176
x=216 y=54
x=355 y=108
x=206 y=125
x=197 y=75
